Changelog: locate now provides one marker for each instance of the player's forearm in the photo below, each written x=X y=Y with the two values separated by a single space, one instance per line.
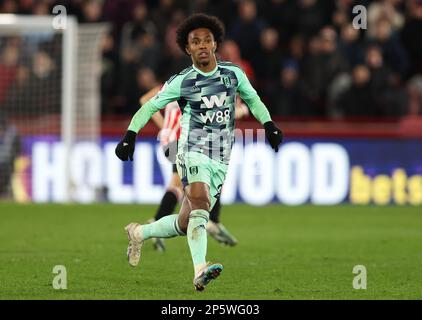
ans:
x=142 y=116
x=259 y=110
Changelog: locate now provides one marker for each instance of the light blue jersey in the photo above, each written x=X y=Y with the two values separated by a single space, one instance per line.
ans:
x=207 y=102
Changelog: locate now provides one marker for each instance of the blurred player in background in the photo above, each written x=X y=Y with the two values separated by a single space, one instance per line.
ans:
x=10 y=148
x=206 y=93
x=169 y=126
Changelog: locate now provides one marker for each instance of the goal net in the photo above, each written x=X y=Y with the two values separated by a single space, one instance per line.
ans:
x=49 y=100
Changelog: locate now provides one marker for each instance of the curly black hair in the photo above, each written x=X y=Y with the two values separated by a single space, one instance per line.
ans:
x=196 y=21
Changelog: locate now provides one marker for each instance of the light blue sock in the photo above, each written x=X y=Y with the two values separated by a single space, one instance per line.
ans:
x=166 y=227
x=197 y=235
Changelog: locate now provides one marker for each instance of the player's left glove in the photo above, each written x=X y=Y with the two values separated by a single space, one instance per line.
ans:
x=126 y=147
x=274 y=135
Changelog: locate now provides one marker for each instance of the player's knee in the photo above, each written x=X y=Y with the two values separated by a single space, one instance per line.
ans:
x=198 y=196
x=199 y=202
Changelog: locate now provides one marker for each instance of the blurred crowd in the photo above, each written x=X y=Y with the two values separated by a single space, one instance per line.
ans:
x=304 y=57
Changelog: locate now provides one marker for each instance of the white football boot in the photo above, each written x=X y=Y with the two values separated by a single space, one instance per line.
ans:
x=135 y=244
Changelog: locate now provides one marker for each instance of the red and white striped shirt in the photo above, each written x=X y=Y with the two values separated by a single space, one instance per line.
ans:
x=171 y=126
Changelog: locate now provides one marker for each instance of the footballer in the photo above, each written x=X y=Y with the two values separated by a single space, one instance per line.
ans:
x=206 y=94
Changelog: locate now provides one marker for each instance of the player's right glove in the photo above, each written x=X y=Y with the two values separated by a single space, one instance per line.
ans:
x=274 y=135
x=126 y=147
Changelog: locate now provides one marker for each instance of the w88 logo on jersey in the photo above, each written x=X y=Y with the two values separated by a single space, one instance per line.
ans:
x=220 y=116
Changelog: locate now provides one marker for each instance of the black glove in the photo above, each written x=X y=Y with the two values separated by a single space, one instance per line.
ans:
x=273 y=134
x=126 y=147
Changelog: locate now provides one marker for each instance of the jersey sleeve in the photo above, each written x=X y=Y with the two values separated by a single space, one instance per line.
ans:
x=170 y=92
x=250 y=96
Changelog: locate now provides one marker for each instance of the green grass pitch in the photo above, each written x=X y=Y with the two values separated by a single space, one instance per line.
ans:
x=304 y=252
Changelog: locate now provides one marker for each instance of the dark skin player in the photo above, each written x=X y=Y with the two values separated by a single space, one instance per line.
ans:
x=201 y=48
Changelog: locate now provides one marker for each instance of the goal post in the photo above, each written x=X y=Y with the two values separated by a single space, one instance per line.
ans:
x=70 y=49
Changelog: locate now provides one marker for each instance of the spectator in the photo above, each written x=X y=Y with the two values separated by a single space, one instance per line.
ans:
x=340 y=16
x=350 y=46
x=8 y=68
x=174 y=59
x=162 y=15
x=297 y=47
x=270 y=55
x=290 y=98
x=118 y=13
x=389 y=98
x=385 y=9
x=229 y=51
x=127 y=78
x=246 y=31
x=42 y=82
x=139 y=25
x=311 y=69
x=148 y=51
x=145 y=81
x=170 y=34
x=269 y=61
x=109 y=73
x=92 y=11
x=411 y=36
x=139 y=37
x=280 y=15
x=35 y=92
x=310 y=17
x=381 y=76
x=393 y=52
x=324 y=63
x=17 y=98
x=340 y=84
x=358 y=100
